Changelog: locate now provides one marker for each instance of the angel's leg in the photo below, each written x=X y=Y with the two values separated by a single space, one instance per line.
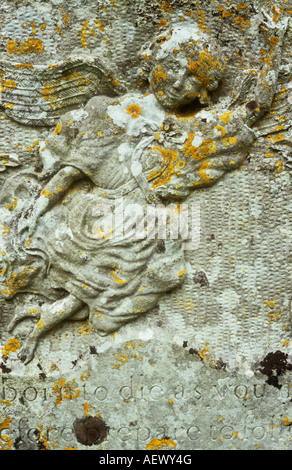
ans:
x=51 y=315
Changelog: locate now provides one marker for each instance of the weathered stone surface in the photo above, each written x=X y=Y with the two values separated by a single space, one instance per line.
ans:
x=145 y=343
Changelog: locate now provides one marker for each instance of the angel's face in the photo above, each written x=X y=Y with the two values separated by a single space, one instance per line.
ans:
x=175 y=85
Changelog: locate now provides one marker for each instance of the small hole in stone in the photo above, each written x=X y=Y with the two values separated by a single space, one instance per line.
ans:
x=90 y=430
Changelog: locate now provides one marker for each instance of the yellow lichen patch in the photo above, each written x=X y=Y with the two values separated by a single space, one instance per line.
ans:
x=203 y=67
x=33 y=311
x=36 y=142
x=121 y=359
x=46 y=193
x=229 y=141
x=226 y=117
x=182 y=273
x=58 y=129
x=28 y=242
x=134 y=110
x=43 y=436
x=86 y=409
x=84 y=331
x=28 y=46
x=243 y=23
x=274 y=41
x=276 y=138
x=222 y=130
x=5 y=441
x=202 y=151
x=159 y=74
x=204 y=353
x=63 y=389
x=40 y=324
x=120 y=272
x=276 y=14
x=24 y=66
x=86 y=31
x=273 y=315
x=164 y=175
x=9 y=85
x=7 y=230
x=279 y=166
x=85 y=376
x=14 y=282
x=162 y=23
x=11 y=207
x=204 y=171
x=287 y=421
x=11 y=346
x=166 y=6
x=157 y=444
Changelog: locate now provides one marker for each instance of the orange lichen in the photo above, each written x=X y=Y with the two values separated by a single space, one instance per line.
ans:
x=117 y=279
x=159 y=74
x=206 y=165
x=204 y=353
x=5 y=441
x=201 y=68
x=274 y=41
x=121 y=360
x=166 y=6
x=58 y=129
x=157 y=444
x=222 y=130
x=134 y=110
x=202 y=151
x=64 y=389
x=9 y=85
x=86 y=31
x=11 y=207
x=244 y=24
x=11 y=346
x=28 y=46
x=36 y=142
x=287 y=421
x=24 y=66
x=162 y=23
x=46 y=193
x=13 y=283
x=163 y=175
x=226 y=117
x=229 y=141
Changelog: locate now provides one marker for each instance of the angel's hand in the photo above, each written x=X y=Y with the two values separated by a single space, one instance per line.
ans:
x=279 y=26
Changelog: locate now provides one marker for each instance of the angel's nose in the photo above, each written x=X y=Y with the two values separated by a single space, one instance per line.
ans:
x=177 y=84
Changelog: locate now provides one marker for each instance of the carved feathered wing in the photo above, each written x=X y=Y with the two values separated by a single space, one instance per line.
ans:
x=38 y=95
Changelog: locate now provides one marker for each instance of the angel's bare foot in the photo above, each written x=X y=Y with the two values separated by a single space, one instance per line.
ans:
x=26 y=353
x=50 y=316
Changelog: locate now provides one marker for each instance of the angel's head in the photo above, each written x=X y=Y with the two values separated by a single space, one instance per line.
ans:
x=183 y=65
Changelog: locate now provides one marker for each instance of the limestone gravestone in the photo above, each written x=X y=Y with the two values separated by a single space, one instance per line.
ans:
x=145 y=225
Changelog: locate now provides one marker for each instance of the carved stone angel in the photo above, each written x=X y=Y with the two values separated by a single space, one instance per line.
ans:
x=151 y=148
